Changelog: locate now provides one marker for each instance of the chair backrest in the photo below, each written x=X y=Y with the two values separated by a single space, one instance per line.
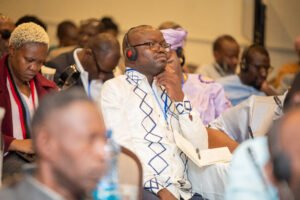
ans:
x=130 y=175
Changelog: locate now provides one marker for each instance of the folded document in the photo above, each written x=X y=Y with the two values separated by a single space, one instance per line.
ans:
x=202 y=157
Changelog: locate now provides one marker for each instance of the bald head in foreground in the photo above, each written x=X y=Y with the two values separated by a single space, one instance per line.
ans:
x=69 y=139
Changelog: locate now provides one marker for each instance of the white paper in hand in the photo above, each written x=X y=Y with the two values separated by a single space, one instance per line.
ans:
x=203 y=157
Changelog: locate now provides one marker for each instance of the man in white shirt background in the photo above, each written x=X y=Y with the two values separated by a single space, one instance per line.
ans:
x=226 y=52
x=94 y=64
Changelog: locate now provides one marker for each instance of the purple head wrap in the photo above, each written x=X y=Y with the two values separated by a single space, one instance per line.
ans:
x=175 y=37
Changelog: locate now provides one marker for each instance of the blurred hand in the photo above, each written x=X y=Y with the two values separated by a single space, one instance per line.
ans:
x=165 y=194
x=267 y=89
x=24 y=146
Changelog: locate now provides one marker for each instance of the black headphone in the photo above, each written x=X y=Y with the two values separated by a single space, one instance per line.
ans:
x=180 y=55
x=69 y=77
x=130 y=52
x=280 y=160
x=244 y=61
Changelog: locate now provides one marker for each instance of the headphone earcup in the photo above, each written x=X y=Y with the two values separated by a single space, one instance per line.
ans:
x=282 y=167
x=131 y=54
x=180 y=55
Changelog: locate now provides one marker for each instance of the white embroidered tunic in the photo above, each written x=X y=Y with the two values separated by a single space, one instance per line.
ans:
x=143 y=119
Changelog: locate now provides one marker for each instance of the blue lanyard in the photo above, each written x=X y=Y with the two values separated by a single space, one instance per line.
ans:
x=165 y=109
x=89 y=89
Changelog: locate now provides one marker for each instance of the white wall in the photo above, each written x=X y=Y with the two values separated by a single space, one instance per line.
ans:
x=204 y=19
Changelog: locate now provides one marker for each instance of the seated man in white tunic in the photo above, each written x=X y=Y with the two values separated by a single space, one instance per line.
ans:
x=254 y=115
x=145 y=107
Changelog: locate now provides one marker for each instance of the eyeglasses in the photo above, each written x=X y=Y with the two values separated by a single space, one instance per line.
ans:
x=154 y=46
x=263 y=69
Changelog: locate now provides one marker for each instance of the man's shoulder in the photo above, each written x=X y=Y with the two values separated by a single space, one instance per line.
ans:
x=208 y=70
x=25 y=188
x=8 y=194
x=62 y=60
x=15 y=190
x=205 y=83
x=116 y=80
x=207 y=67
x=230 y=80
x=258 y=143
x=115 y=83
x=255 y=99
x=256 y=148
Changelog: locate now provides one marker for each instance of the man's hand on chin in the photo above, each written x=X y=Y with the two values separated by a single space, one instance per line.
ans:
x=172 y=83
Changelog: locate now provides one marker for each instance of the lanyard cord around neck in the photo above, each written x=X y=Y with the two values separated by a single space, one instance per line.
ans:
x=165 y=109
x=89 y=90
x=22 y=106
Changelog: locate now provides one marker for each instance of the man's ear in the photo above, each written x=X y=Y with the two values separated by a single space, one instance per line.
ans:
x=45 y=144
x=217 y=55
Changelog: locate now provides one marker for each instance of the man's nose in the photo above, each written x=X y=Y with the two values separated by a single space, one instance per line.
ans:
x=263 y=72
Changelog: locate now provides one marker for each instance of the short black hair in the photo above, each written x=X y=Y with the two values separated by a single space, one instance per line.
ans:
x=126 y=40
x=247 y=55
x=103 y=43
x=107 y=23
x=31 y=18
x=217 y=45
x=63 y=27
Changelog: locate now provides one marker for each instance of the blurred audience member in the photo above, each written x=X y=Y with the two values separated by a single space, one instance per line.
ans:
x=207 y=96
x=21 y=87
x=108 y=25
x=250 y=162
x=226 y=52
x=94 y=65
x=88 y=28
x=255 y=66
x=255 y=115
x=67 y=34
x=260 y=173
x=31 y=18
x=190 y=68
x=6 y=27
x=69 y=165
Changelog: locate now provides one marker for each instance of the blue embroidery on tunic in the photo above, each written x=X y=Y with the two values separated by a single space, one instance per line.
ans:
x=157 y=162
